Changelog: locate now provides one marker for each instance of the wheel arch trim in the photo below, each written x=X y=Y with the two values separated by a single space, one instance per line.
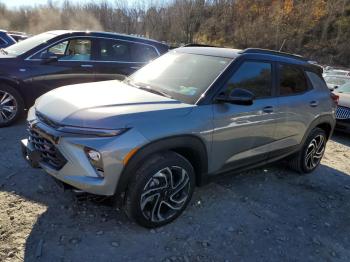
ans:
x=318 y=122
x=193 y=143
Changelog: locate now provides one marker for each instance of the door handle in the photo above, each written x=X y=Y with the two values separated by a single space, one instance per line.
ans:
x=268 y=109
x=314 y=103
x=87 y=66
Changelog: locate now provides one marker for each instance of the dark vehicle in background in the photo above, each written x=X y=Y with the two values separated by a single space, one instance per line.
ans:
x=18 y=36
x=49 y=60
x=6 y=39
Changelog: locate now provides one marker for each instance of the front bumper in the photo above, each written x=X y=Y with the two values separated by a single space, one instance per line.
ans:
x=76 y=170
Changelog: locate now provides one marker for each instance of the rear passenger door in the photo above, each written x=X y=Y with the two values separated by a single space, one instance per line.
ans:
x=119 y=58
x=297 y=106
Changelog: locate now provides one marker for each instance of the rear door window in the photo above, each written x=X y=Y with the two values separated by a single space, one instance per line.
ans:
x=114 y=50
x=292 y=80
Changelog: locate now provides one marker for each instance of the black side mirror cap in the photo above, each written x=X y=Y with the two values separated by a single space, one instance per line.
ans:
x=238 y=96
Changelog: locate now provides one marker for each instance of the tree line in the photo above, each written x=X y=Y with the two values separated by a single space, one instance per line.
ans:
x=317 y=29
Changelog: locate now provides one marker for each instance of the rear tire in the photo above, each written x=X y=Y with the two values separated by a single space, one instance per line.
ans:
x=310 y=156
x=160 y=190
x=11 y=105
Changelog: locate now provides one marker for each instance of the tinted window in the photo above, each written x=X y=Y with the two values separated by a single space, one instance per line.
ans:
x=292 y=80
x=114 y=50
x=317 y=81
x=143 y=53
x=252 y=76
x=2 y=42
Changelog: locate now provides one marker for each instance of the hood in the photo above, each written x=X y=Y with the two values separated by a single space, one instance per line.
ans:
x=4 y=57
x=108 y=104
x=344 y=99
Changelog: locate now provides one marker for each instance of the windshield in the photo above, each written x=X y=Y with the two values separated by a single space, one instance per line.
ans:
x=28 y=44
x=344 y=88
x=182 y=76
x=338 y=73
x=336 y=80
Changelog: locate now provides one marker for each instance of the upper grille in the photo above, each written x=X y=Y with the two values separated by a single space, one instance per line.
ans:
x=49 y=152
x=342 y=112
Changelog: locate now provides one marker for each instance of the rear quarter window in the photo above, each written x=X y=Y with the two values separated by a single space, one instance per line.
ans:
x=292 y=80
x=316 y=81
x=143 y=53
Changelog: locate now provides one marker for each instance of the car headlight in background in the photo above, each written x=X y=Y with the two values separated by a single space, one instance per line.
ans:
x=95 y=159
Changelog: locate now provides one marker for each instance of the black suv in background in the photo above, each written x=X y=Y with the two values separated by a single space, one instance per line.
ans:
x=6 y=39
x=43 y=62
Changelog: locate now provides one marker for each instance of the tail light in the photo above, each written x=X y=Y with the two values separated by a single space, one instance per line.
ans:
x=335 y=98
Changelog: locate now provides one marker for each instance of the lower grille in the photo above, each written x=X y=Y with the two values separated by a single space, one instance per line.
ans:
x=342 y=112
x=49 y=152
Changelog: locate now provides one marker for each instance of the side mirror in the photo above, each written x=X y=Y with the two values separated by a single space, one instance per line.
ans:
x=48 y=57
x=238 y=96
x=335 y=87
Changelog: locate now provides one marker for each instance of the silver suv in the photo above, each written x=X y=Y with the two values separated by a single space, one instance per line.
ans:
x=189 y=115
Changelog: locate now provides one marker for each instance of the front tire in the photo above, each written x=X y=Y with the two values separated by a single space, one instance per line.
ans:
x=309 y=157
x=160 y=190
x=11 y=105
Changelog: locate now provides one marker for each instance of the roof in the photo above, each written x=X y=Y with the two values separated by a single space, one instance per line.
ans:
x=210 y=51
x=105 y=34
x=252 y=53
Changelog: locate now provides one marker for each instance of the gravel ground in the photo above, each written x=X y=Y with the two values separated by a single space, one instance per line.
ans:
x=267 y=214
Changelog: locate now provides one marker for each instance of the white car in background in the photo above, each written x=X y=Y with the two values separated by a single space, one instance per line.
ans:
x=335 y=81
x=336 y=72
x=343 y=109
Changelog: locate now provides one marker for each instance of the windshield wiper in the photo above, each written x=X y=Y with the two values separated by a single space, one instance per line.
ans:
x=145 y=87
x=3 y=51
x=149 y=89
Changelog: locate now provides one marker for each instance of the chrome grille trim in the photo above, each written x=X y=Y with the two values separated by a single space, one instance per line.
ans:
x=342 y=112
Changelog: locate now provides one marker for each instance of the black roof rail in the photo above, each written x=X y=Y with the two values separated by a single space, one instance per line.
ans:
x=198 y=45
x=271 y=52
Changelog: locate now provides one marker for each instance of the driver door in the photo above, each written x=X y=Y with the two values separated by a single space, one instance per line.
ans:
x=70 y=62
x=243 y=133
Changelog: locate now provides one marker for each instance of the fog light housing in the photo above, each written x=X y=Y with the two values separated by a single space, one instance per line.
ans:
x=95 y=159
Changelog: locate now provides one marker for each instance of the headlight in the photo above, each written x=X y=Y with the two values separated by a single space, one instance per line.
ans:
x=92 y=131
x=95 y=159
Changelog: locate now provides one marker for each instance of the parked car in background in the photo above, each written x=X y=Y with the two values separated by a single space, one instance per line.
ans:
x=43 y=62
x=343 y=109
x=6 y=39
x=334 y=81
x=18 y=36
x=184 y=118
x=336 y=72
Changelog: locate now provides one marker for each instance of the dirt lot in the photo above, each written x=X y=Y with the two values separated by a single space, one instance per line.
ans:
x=267 y=214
